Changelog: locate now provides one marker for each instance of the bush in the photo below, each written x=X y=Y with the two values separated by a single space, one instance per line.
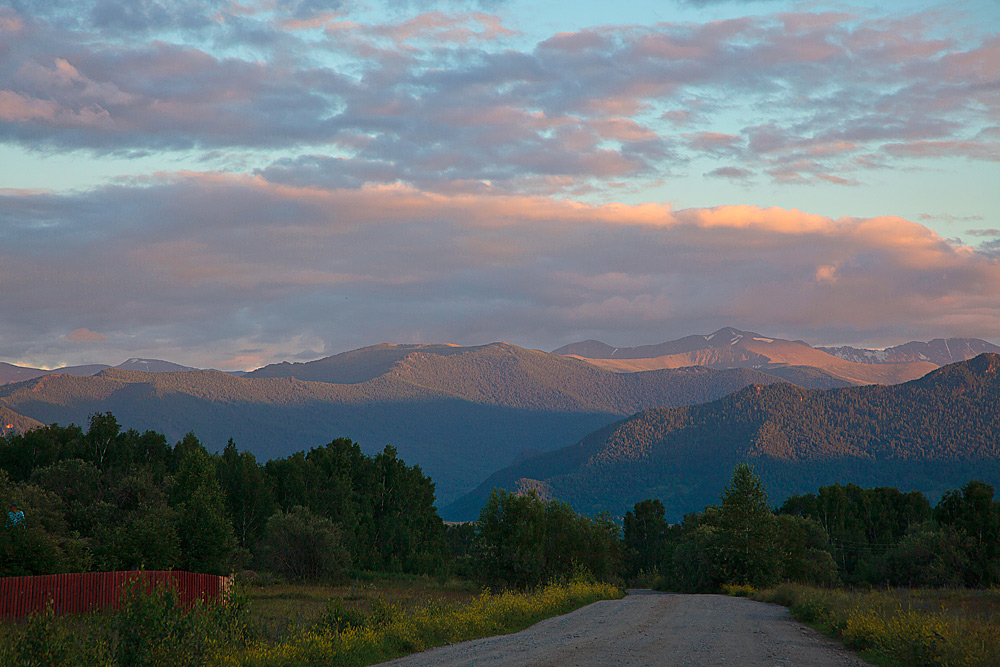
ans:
x=301 y=545
x=45 y=642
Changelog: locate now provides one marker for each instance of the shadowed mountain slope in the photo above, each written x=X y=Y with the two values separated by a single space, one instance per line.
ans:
x=460 y=413
x=930 y=434
x=732 y=348
x=12 y=422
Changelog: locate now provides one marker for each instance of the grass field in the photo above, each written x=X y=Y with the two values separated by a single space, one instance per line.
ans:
x=278 y=610
x=902 y=628
x=368 y=620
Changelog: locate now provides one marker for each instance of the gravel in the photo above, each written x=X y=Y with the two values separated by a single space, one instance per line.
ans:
x=650 y=628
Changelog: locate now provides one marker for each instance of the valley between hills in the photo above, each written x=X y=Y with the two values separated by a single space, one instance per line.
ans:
x=596 y=426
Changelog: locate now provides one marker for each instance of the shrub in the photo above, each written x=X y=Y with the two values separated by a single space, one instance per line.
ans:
x=302 y=545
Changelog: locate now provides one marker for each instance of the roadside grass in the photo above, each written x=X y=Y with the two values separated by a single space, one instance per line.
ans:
x=280 y=610
x=902 y=628
x=345 y=636
x=285 y=625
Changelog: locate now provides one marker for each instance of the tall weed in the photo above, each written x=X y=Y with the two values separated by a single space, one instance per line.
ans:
x=919 y=628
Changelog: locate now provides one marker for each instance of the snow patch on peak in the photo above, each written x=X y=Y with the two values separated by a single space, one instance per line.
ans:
x=764 y=340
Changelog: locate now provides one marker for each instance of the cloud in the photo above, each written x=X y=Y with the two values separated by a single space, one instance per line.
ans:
x=214 y=270
x=445 y=99
x=732 y=173
x=948 y=217
x=85 y=336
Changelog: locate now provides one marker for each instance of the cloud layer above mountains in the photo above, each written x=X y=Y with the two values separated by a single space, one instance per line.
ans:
x=244 y=270
x=425 y=174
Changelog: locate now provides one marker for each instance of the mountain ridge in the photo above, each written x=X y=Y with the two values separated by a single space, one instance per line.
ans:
x=940 y=351
x=732 y=348
x=460 y=413
x=10 y=373
x=928 y=434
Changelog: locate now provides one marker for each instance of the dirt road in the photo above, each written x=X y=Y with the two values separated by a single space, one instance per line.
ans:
x=648 y=628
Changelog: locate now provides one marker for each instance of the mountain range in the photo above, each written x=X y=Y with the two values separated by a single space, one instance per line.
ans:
x=733 y=348
x=930 y=434
x=461 y=413
x=11 y=373
x=940 y=351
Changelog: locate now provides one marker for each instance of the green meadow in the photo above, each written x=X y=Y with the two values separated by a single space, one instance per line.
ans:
x=299 y=625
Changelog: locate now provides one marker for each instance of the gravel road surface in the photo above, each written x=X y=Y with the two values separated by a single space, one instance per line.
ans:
x=649 y=628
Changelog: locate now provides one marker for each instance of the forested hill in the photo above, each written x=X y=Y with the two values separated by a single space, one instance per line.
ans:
x=929 y=434
x=12 y=422
x=459 y=413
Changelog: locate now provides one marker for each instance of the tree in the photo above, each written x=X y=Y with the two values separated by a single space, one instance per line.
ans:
x=205 y=530
x=523 y=541
x=102 y=438
x=930 y=555
x=749 y=553
x=645 y=537
x=249 y=499
x=509 y=547
x=974 y=514
x=805 y=552
x=301 y=545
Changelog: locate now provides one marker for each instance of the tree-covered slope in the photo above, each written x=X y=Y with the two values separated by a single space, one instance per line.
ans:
x=928 y=434
x=459 y=413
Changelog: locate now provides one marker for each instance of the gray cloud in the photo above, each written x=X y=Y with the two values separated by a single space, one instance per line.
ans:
x=732 y=173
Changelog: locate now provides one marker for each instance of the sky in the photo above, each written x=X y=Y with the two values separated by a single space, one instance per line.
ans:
x=228 y=184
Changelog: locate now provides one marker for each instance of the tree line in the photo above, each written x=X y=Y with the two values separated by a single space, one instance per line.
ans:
x=843 y=534
x=113 y=499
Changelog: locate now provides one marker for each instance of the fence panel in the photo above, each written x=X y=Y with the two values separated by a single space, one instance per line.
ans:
x=88 y=591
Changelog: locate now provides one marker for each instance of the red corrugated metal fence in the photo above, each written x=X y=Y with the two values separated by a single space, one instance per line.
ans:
x=87 y=591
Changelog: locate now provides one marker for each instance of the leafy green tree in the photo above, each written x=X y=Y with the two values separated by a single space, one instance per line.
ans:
x=205 y=530
x=40 y=544
x=509 y=548
x=930 y=555
x=102 y=440
x=972 y=512
x=862 y=523
x=408 y=534
x=523 y=541
x=301 y=545
x=148 y=539
x=805 y=552
x=697 y=559
x=645 y=537
x=249 y=499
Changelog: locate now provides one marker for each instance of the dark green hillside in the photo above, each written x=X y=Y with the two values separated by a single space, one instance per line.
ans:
x=460 y=415
x=929 y=435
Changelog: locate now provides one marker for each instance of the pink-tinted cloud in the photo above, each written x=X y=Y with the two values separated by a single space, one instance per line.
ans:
x=223 y=264
x=442 y=99
x=84 y=335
